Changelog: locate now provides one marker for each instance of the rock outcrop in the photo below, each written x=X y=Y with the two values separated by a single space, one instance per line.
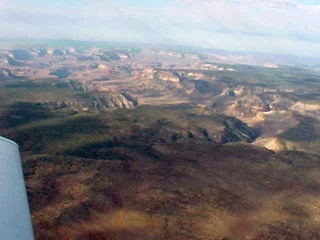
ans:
x=166 y=76
x=58 y=52
x=251 y=104
x=12 y=62
x=6 y=74
x=21 y=54
x=245 y=90
x=196 y=76
x=236 y=131
x=227 y=92
x=309 y=109
x=100 y=101
x=42 y=52
x=159 y=75
x=61 y=73
x=159 y=79
x=75 y=85
x=109 y=56
x=274 y=144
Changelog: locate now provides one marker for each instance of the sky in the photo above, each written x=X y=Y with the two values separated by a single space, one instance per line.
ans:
x=273 y=26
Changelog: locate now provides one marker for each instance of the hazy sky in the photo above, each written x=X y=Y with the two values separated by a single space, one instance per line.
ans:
x=280 y=26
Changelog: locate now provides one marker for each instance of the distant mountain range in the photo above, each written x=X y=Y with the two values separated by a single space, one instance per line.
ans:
x=227 y=56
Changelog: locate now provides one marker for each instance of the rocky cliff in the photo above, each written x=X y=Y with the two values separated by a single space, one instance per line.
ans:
x=251 y=104
x=75 y=85
x=309 y=109
x=237 y=131
x=99 y=101
x=21 y=54
x=245 y=90
x=6 y=74
x=61 y=73
x=159 y=75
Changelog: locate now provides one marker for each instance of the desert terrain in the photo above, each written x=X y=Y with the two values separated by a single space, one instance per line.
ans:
x=146 y=142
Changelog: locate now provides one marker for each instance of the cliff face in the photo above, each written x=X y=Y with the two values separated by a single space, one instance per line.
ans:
x=6 y=74
x=196 y=76
x=58 y=52
x=248 y=106
x=274 y=144
x=237 y=131
x=189 y=83
x=158 y=75
x=75 y=85
x=61 y=73
x=12 y=62
x=100 y=101
x=251 y=104
x=21 y=54
x=307 y=109
x=166 y=76
x=158 y=79
x=245 y=90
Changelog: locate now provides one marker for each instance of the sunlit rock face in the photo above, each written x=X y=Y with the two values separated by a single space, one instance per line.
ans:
x=309 y=109
x=166 y=76
x=251 y=102
x=152 y=74
x=100 y=101
x=196 y=76
x=245 y=90
x=274 y=144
